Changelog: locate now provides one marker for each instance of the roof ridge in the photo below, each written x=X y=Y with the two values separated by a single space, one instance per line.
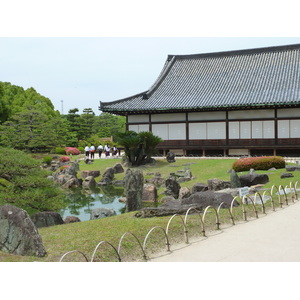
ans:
x=238 y=52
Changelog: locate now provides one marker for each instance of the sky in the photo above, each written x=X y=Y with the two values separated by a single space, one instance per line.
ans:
x=78 y=54
x=79 y=72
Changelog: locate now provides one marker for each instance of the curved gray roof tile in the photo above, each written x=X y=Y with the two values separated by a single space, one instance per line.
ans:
x=264 y=76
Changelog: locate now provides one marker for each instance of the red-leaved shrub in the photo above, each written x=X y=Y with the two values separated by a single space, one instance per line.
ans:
x=72 y=150
x=258 y=163
x=64 y=158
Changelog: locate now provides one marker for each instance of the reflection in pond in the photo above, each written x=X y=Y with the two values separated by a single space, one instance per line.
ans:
x=80 y=202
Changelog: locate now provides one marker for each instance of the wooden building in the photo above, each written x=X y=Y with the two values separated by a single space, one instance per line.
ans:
x=243 y=102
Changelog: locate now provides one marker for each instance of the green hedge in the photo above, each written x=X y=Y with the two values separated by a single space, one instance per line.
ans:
x=258 y=163
x=60 y=150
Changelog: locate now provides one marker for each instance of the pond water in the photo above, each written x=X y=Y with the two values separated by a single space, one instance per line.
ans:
x=79 y=202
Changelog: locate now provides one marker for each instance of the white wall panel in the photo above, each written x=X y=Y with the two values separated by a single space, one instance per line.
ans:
x=257 y=130
x=197 y=131
x=295 y=128
x=283 y=129
x=216 y=130
x=268 y=130
x=200 y=116
x=177 y=132
x=251 y=114
x=161 y=130
x=133 y=128
x=234 y=130
x=143 y=127
x=168 y=117
x=288 y=112
x=245 y=130
x=138 y=118
x=139 y=128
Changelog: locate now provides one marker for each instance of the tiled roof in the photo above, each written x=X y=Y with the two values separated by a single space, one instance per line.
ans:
x=247 y=78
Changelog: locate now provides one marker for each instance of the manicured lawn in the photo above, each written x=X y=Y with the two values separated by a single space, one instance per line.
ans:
x=85 y=236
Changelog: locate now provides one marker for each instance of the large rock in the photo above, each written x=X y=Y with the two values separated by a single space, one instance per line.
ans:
x=18 y=234
x=46 y=218
x=168 y=208
x=86 y=173
x=172 y=187
x=185 y=176
x=71 y=183
x=292 y=168
x=134 y=185
x=118 y=168
x=235 y=180
x=67 y=177
x=170 y=157
x=217 y=184
x=184 y=192
x=166 y=199
x=253 y=179
x=89 y=183
x=209 y=198
x=107 y=177
x=199 y=187
x=157 y=180
x=199 y=201
x=100 y=213
x=286 y=175
x=149 y=193
x=71 y=219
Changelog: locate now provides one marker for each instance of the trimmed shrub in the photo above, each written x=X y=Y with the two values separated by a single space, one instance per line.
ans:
x=81 y=149
x=47 y=160
x=64 y=159
x=258 y=163
x=72 y=150
x=60 y=150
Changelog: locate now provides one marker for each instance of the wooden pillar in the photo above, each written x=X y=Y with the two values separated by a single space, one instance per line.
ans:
x=227 y=129
x=150 y=123
x=187 y=132
x=126 y=122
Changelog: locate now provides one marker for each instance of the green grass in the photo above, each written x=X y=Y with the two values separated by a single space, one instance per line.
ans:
x=85 y=236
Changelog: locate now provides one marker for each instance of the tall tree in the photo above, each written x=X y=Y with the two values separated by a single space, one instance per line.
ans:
x=107 y=125
x=31 y=130
x=4 y=105
x=16 y=99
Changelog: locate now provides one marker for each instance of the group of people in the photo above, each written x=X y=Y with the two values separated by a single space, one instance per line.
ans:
x=90 y=151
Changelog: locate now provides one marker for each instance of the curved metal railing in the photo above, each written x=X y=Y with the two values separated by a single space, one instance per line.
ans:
x=199 y=213
x=184 y=226
x=73 y=251
x=105 y=242
x=139 y=243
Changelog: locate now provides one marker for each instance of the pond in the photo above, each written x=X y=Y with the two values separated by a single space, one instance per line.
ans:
x=80 y=202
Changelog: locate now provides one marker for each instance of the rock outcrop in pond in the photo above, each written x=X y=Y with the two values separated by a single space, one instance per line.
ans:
x=46 y=219
x=102 y=212
x=134 y=185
